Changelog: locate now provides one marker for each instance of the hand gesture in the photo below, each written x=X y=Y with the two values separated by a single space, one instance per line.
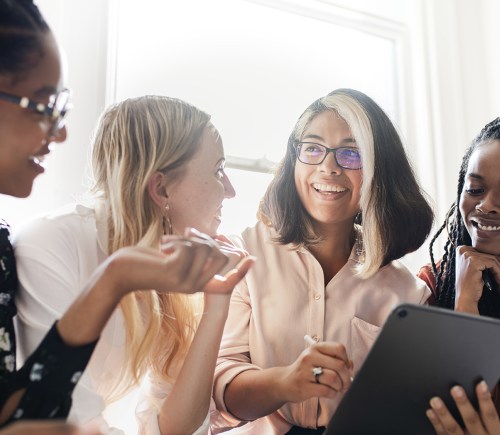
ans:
x=183 y=264
x=469 y=267
x=334 y=372
x=484 y=422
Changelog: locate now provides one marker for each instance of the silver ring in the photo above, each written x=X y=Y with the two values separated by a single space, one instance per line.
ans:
x=317 y=372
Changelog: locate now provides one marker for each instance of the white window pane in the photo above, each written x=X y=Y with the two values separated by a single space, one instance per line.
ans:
x=254 y=68
x=240 y=212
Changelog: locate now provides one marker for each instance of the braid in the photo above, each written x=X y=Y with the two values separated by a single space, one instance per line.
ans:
x=489 y=304
x=21 y=25
x=431 y=248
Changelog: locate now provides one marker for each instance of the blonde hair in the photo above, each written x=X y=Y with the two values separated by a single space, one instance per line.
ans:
x=135 y=139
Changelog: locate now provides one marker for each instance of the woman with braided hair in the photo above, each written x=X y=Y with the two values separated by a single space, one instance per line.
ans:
x=468 y=275
x=33 y=105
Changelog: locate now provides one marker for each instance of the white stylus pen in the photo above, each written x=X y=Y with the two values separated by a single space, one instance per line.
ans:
x=309 y=340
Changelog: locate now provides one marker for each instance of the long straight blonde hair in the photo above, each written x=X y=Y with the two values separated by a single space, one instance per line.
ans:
x=135 y=139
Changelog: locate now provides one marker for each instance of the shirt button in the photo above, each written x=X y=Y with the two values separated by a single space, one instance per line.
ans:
x=317 y=296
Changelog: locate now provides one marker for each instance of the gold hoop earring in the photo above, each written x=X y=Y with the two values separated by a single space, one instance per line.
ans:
x=167 y=222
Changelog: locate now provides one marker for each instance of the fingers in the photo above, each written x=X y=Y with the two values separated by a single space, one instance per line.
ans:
x=436 y=423
x=226 y=284
x=471 y=418
x=487 y=409
x=484 y=422
x=441 y=419
x=332 y=358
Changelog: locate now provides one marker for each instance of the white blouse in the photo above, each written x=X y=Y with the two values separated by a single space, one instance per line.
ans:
x=56 y=255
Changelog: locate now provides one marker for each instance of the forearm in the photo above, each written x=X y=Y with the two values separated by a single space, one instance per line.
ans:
x=185 y=408
x=255 y=393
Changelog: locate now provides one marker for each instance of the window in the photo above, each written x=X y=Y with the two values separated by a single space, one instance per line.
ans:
x=254 y=67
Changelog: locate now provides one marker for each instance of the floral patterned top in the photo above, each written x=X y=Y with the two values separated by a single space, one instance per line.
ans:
x=51 y=372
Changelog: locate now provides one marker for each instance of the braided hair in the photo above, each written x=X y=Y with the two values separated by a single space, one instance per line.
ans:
x=489 y=304
x=21 y=27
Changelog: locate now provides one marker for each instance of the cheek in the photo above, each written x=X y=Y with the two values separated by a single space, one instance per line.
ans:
x=465 y=206
x=300 y=178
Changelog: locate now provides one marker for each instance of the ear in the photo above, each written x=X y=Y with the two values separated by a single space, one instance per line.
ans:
x=157 y=189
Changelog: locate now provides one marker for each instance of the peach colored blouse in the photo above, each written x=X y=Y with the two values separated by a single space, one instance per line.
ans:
x=282 y=298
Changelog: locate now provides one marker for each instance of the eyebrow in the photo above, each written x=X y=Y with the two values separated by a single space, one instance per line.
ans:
x=316 y=137
x=45 y=91
x=475 y=176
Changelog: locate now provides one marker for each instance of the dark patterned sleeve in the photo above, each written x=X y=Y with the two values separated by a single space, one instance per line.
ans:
x=49 y=377
x=50 y=374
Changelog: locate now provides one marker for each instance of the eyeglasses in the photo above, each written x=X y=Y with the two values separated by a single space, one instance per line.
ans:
x=312 y=153
x=55 y=110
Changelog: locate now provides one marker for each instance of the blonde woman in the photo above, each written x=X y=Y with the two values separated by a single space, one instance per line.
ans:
x=158 y=165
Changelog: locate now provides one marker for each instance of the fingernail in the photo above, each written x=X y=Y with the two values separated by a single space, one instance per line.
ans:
x=430 y=414
x=458 y=392
x=483 y=387
x=436 y=403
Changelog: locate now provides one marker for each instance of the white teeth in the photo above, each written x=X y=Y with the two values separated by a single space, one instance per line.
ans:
x=37 y=159
x=328 y=188
x=487 y=227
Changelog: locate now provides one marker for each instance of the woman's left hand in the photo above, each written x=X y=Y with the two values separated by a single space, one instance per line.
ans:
x=482 y=422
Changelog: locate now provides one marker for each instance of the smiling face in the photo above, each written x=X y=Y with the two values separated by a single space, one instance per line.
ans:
x=329 y=193
x=480 y=198
x=24 y=134
x=195 y=199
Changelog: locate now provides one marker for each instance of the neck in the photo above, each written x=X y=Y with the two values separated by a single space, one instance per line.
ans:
x=334 y=249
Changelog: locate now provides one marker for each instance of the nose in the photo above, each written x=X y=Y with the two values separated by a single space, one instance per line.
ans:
x=58 y=135
x=329 y=165
x=490 y=203
x=229 y=191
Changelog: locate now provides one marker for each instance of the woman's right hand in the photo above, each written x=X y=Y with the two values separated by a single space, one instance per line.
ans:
x=184 y=264
x=299 y=383
x=469 y=267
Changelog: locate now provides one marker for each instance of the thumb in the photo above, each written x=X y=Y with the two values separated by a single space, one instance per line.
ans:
x=224 y=284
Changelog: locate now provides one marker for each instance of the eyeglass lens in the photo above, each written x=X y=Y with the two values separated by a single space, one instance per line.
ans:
x=314 y=154
x=60 y=104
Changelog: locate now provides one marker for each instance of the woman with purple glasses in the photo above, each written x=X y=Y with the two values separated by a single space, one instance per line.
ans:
x=332 y=224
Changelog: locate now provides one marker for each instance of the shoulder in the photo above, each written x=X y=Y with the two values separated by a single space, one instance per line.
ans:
x=71 y=223
x=396 y=273
x=257 y=238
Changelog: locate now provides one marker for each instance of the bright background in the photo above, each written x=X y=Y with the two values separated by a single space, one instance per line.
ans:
x=255 y=66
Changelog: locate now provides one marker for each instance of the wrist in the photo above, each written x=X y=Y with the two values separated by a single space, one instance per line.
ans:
x=113 y=279
x=216 y=305
x=465 y=305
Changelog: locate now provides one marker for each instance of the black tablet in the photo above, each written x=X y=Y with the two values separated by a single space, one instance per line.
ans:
x=421 y=352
